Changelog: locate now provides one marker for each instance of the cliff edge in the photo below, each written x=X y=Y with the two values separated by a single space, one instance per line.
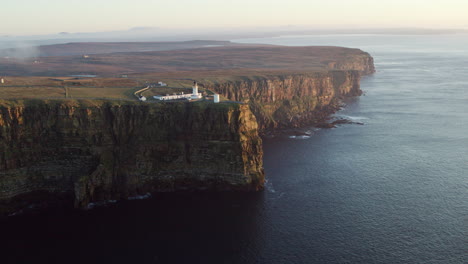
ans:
x=293 y=100
x=81 y=152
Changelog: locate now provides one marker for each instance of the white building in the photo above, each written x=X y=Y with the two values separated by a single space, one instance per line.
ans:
x=216 y=98
x=143 y=99
x=195 y=93
x=162 y=84
x=172 y=97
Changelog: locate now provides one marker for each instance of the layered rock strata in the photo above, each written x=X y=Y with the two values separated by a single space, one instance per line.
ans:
x=301 y=98
x=84 y=152
x=293 y=100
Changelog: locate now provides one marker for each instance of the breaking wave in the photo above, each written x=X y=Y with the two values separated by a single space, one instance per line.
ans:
x=353 y=118
x=140 y=197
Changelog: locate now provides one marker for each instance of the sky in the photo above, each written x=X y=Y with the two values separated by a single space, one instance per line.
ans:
x=36 y=17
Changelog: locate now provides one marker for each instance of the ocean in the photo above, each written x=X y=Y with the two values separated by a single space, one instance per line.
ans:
x=394 y=190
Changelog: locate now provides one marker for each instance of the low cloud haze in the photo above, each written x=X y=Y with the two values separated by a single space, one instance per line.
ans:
x=22 y=45
x=19 y=50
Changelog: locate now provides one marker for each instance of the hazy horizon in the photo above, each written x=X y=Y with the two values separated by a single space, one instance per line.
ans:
x=246 y=30
x=28 y=17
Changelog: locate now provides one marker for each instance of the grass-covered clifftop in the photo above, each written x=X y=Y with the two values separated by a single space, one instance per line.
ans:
x=228 y=58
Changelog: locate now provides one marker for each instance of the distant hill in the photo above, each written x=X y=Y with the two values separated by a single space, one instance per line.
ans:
x=228 y=57
x=85 y=48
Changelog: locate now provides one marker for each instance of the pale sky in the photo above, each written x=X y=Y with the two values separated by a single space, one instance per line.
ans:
x=25 y=17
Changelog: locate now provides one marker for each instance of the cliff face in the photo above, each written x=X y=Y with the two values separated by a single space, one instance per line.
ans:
x=364 y=63
x=90 y=153
x=300 y=99
x=293 y=100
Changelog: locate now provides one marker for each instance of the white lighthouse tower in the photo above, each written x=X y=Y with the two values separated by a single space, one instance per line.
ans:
x=195 y=93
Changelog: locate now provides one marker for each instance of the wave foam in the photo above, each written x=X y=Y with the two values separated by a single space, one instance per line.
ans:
x=353 y=118
x=299 y=137
x=99 y=204
x=140 y=197
x=269 y=186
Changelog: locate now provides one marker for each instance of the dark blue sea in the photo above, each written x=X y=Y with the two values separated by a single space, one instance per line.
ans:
x=394 y=190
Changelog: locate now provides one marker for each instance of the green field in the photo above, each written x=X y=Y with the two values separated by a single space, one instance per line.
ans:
x=40 y=92
x=110 y=93
x=31 y=92
x=121 y=74
x=92 y=88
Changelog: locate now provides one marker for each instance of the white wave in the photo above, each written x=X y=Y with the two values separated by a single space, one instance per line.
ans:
x=99 y=204
x=140 y=197
x=22 y=211
x=353 y=118
x=269 y=186
x=300 y=137
x=16 y=213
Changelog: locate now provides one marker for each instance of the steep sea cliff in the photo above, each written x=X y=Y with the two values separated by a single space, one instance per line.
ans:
x=296 y=99
x=87 y=152
x=293 y=100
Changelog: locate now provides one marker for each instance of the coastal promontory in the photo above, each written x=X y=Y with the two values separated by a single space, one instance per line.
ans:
x=75 y=130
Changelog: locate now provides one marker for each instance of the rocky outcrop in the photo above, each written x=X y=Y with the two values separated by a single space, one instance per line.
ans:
x=84 y=152
x=294 y=100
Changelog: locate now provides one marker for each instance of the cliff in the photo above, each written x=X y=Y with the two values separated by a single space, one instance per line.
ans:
x=292 y=100
x=82 y=152
x=362 y=62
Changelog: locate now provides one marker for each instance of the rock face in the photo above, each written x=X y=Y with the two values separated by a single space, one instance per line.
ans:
x=83 y=152
x=294 y=100
x=299 y=99
x=363 y=63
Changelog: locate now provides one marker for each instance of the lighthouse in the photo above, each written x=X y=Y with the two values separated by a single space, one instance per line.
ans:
x=195 y=94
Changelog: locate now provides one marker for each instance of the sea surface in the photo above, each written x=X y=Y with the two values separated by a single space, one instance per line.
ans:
x=394 y=190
